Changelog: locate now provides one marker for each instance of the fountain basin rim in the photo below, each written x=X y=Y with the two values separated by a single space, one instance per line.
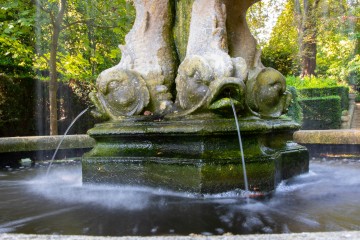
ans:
x=191 y=126
x=343 y=136
x=293 y=236
x=38 y=143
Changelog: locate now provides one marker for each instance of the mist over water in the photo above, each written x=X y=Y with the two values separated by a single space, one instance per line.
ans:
x=325 y=199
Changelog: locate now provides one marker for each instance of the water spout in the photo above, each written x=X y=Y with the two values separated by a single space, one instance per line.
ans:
x=241 y=149
x=63 y=137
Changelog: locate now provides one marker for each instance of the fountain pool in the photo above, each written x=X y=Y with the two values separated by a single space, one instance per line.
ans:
x=325 y=199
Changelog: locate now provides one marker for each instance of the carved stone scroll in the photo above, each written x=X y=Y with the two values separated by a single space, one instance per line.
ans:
x=149 y=52
x=207 y=63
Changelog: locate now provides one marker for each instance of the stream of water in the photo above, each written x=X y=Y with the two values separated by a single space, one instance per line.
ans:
x=63 y=137
x=241 y=149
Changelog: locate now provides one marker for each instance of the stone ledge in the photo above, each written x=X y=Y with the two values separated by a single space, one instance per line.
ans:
x=345 y=137
x=292 y=236
x=40 y=143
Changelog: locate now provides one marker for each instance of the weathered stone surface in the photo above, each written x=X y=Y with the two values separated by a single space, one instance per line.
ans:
x=218 y=56
x=120 y=93
x=148 y=59
x=240 y=40
x=266 y=95
x=194 y=154
x=351 y=137
x=21 y=144
x=207 y=69
x=191 y=144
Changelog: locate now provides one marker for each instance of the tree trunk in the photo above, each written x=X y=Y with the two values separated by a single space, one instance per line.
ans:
x=56 y=22
x=306 y=15
x=53 y=83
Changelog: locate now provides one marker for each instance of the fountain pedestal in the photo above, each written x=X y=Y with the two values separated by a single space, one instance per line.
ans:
x=197 y=153
x=187 y=62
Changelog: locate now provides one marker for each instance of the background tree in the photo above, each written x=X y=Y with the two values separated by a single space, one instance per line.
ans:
x=76 y=33
x=56 y=12
x=262 y=17
x=281 y=51
x=333 y=39
x=307 y=17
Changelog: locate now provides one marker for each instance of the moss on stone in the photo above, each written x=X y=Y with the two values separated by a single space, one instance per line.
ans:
x=182 y=26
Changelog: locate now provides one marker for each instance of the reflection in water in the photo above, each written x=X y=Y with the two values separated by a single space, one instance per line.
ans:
x=325 y=199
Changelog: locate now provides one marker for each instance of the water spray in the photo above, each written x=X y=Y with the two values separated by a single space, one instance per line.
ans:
x=63 y=137
x=241 y=149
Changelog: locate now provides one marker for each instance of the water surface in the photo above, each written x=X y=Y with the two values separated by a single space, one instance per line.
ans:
x=325 y=199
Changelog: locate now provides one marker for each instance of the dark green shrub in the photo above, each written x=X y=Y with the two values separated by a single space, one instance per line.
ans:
x=321 y=112
x=357 y=98
x=341 y=91
x=24 y=107
x=16 y=105
x=295 y=110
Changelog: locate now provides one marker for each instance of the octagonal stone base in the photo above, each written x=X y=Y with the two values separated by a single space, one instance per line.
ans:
x=198 y=154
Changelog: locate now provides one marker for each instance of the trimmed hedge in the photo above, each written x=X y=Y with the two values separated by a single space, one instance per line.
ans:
x=295 y=110
x=321 y=112
x=341 y=91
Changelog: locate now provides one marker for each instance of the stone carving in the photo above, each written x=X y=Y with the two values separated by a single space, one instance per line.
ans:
x=120 y=93
x=267 y=94
x=207 y=67
x=148 y=57
x=222 y=61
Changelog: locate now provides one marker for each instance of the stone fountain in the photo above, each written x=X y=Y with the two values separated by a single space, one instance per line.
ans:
x=167 y=104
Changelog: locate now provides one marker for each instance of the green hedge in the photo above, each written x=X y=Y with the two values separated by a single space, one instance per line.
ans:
x=295 y=110
x=341 y=91
x=321 y=112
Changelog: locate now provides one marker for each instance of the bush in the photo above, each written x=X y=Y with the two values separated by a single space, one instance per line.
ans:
x=357 y=97
x=24 y=107
x=16 y=105
x=310 y=82
x=309 y=87
x=321 y=112
x=341 y=91
x=295 y=110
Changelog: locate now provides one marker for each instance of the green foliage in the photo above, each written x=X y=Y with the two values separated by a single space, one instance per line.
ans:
x=91 y=33
x=16 y=37
x=337 y=42
x=23 y=112
x=295 y=110
x=312 y=91
x=357 y=97
x=281 y=52
x=353 y=67
x=310 y=82
x=260 y=17
x=321 y=112
x=341 y=91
